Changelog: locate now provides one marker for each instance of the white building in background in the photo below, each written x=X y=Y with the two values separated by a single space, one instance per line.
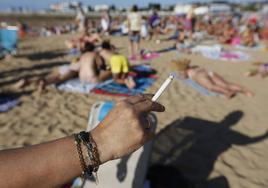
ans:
x=181 y=9
x=66 y=7
x=60 y=7
x=220 y=8
x=98 y=8
x=201 y=10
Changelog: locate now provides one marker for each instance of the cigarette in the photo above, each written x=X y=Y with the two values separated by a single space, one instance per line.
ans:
x=163 y=87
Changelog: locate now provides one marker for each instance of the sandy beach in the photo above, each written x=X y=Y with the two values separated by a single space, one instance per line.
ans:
x=207 y=138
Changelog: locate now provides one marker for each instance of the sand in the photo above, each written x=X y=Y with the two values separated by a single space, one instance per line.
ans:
x=209 y=139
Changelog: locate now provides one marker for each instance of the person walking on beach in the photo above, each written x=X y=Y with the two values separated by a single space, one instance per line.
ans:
x=154 y=24
x=134 y=27
x=80 y=18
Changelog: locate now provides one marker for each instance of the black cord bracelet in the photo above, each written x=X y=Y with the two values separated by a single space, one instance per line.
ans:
x=92 y=152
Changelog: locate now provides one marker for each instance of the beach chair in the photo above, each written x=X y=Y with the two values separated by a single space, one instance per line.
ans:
x=127 y=172
x=8 y=40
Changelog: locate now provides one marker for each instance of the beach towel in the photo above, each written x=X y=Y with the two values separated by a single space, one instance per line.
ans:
x=7 y=103
x=111 y=88
x=143 y=75
x=199 y=88
x=234 y=56
x=74 y=85
x=216 y=52
x=212 y=52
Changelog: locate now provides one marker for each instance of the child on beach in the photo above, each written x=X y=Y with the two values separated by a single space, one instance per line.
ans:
x=209 y=79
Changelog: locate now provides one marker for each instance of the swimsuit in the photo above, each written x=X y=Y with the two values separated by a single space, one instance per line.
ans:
x=193 y=73
x=119 y=64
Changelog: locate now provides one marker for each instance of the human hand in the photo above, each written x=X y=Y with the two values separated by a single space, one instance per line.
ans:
x=126 y=128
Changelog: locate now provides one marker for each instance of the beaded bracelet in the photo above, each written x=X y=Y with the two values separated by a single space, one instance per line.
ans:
x=92 y=164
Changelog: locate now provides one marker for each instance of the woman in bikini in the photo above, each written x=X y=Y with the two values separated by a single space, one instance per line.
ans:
x=209 y=80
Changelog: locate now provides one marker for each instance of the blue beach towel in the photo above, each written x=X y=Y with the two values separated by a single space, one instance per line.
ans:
x=7 y=103
x=199 y=88
x=111 y=88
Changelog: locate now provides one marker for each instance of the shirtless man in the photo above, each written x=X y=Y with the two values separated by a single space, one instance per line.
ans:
x=209 y=80
x=92 y=67
x=119 y=65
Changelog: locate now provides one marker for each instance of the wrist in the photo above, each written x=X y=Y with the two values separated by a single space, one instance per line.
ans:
x=103 y=149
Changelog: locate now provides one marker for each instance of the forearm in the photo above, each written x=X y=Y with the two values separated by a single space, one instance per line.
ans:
x=45 y=165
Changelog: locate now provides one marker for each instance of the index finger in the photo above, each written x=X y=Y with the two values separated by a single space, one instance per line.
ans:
x=147 y=106
x=138 y=98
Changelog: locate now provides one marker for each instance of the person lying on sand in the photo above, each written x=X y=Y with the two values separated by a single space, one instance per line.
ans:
x=57 y=75
x=209 y=79
x=119 y=65
x=261 y=71
x=92 y=66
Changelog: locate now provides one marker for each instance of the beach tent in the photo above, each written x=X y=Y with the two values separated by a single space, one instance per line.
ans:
x=8 y=40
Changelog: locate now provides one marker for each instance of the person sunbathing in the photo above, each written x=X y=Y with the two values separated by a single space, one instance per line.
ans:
x=119 y=65
x=92 y=66
x=209 y=79
x=261 y=71
x=57 y=75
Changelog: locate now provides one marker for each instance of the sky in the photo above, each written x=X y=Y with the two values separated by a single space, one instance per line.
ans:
x=41 y=4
